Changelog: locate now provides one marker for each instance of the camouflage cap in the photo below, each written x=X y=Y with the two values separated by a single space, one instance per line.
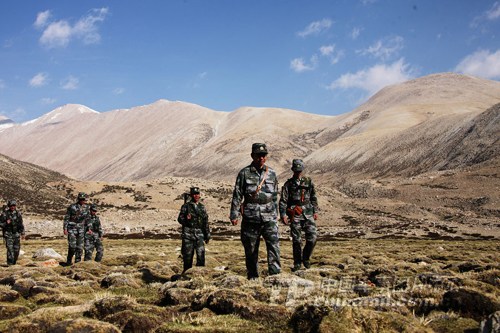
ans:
x=259 y=148
x=297 y=165
x=194 y=190
x=11 y=203
x=82 y=196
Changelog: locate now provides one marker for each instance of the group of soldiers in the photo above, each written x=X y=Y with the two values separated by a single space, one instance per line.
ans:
x=254 y=201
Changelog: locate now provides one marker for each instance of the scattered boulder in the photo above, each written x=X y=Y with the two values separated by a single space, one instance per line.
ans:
x=131 y=321
x=46 y=254
x=148 y=276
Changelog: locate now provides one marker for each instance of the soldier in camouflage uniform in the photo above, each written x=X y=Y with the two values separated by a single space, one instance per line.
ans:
x=255 y=198
x=299 y=207
x=74 y=227
x=93 y=236
x=195 y=229
x=11 y=222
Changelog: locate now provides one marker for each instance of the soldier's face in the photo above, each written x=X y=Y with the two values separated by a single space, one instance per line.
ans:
x=12 y=208
x=196 y=197
x=259 y=159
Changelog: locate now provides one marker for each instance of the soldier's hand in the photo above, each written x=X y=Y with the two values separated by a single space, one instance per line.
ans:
x=65 y=232
x=285 y=219
x=8 y=221
x=234 y=222
x=315 y=216
x=188 y=216
x=23 y=237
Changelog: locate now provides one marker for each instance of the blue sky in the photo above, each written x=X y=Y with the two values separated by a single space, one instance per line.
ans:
x=323 y=57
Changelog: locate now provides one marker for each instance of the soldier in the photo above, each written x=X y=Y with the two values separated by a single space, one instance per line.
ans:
x=74 y=227
x=299 y=207
x=12 y=226
x=93 y=236
x=195 y=229
x=255 y=198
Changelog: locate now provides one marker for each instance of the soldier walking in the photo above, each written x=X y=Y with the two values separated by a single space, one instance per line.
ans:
x=255 y=199
x=299 y=207
x=93 y=236
x=195 y=229
x=74 y=227
x=11 y=222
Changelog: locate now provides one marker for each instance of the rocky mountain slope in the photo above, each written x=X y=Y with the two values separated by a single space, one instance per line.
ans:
x=430 y=123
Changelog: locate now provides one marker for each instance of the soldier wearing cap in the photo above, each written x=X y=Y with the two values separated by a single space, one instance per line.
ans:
x=74 y=227
x=93 y=236
x=11 y=223
x=255 y=199
x=299 y=208
x=195 y=229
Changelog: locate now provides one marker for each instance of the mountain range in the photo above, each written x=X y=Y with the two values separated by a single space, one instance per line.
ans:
x=436 y=122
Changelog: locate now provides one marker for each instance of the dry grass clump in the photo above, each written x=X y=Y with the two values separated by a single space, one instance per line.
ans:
x=353 y=286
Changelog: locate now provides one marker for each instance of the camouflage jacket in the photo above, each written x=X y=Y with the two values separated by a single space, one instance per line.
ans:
x=75 y=214
x=93 y=223
x=255 y=205
x=16 y=222
x=298 y=192
x=198 y=220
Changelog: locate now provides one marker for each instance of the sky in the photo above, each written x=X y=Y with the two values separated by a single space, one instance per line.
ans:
x=317 y=56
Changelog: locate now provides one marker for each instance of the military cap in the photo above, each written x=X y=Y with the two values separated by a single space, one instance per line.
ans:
x=82 y=196
x=194 y=190
x=297 y=165
x=93 y=207
x=259 y=148
x=11 y=203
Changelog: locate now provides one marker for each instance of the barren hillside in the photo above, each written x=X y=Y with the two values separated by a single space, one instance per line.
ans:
x=407 y=128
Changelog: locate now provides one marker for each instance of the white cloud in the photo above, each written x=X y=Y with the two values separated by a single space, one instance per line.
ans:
x=299 y=65
x=384 y=48
x=39 y=80
x=355 y=32
x=374 y=78
x=330 y=52
x=481 y=63
x=60 y=33
x=48 y=100
x=316 y=27
x=70 y=83
x=494 y=12
x=57 y=34
x=41 y=19
x=118 y=91
x=490 y=15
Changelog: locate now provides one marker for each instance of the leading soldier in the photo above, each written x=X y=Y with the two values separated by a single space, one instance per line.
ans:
x=11 y=222
x=299 y=208
x=195 y=229
x=74 y=227
x=255 y=198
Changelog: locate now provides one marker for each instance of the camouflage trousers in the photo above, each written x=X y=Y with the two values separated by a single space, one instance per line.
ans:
x=307 y=224
x=250 y=238
x=93 y=241
x=192 y=241
x=75 y=242
x=13 y=243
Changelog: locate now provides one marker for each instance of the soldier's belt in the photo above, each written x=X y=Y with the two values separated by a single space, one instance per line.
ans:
x=300 y=203
x=260 y=201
